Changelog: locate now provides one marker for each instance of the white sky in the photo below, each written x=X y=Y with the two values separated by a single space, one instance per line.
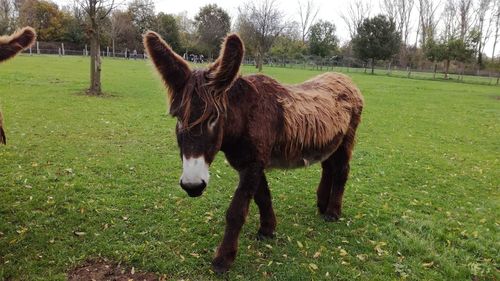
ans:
x=330 y=10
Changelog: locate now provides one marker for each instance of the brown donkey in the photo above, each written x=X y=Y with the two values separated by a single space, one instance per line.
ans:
x=9 y=47
x=258 y=123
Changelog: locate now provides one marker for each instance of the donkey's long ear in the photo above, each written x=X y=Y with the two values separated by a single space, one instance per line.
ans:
x=226 y=67
x=13 y=44
x=173 y=69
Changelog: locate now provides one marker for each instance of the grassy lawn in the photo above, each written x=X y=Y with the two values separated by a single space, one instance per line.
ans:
x=85 y=177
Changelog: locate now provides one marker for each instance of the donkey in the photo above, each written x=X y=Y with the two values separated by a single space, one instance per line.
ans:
x=9 y=47
x=258 y=123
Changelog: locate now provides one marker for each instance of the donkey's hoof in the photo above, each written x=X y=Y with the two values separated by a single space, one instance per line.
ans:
x=264 y=236
x=321 y=209
x=220 y=266
x=330 y=218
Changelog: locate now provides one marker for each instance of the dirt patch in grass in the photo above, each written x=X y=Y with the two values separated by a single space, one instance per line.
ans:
x=104 y=270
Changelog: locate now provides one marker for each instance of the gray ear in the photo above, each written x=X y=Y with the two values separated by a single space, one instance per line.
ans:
x=225 y=69
x=173 y=69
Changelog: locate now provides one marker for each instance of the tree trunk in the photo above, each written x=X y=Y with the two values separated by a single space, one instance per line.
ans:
x=372 y=66
x=446 y=68
x=259 y=61
x=435 y=69
x=95 y=63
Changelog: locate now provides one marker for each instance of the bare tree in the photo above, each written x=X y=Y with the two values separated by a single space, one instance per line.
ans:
x=308 y=14
x=6 y=9
x=96 y=11
x=260 y=23
x=427 y=19
x=465 y=17
x=121 y=27
x=496 y=16
x=483 y=27
x=400 y=12
x=403 y=18
x=449 y=18
x=358 y=11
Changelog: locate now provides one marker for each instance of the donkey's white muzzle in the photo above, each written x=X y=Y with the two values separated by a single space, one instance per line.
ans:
x=194 y=172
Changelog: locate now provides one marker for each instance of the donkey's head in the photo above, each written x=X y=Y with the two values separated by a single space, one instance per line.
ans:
x=198 y=99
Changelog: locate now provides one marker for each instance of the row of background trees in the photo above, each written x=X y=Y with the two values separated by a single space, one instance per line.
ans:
x=450 y=31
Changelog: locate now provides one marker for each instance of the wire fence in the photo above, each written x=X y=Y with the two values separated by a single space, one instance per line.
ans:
x=428 y=71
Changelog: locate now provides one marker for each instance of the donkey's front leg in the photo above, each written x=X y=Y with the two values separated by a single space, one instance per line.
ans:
x=267 y=218
x=250 y=178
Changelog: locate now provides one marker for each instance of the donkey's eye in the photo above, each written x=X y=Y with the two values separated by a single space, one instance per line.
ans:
x=212 y=122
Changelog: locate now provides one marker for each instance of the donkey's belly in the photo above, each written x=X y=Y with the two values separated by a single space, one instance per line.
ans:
x=305 y=157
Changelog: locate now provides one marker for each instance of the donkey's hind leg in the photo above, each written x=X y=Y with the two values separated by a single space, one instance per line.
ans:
x=263 y=200
x=325 y=186
x=341 y=168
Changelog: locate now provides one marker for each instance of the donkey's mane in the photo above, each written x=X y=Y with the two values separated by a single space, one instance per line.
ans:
x=214 y=100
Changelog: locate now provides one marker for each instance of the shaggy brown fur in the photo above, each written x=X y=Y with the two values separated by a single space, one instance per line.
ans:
x=318 y=110
x=259 y=123
x=10 y=46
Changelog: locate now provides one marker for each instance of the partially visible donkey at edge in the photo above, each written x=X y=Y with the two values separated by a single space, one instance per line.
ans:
x=258 y=123
x=9 y=47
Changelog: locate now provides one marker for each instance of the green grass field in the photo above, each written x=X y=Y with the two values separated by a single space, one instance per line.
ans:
x=86 y=177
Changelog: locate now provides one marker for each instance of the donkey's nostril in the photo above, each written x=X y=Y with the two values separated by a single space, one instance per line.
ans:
x=193 y=189
x=191 y=185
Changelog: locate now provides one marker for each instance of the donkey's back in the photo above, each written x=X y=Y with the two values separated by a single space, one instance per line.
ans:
x=317 y=115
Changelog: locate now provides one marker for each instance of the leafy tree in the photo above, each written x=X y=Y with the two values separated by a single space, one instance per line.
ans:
x=494 y=65
x=45 y=17
x=74 y=31
x=168 y=29
x=142 y=13
x=460 y=50
x=260 y=23
x=213 y=23
x=287 y=47
x=447 y=51
x=377 y=39
x=322 y=39
x=187 y=33
x=434 y=52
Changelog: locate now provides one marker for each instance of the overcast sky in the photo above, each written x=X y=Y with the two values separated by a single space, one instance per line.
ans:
x=329 y=10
